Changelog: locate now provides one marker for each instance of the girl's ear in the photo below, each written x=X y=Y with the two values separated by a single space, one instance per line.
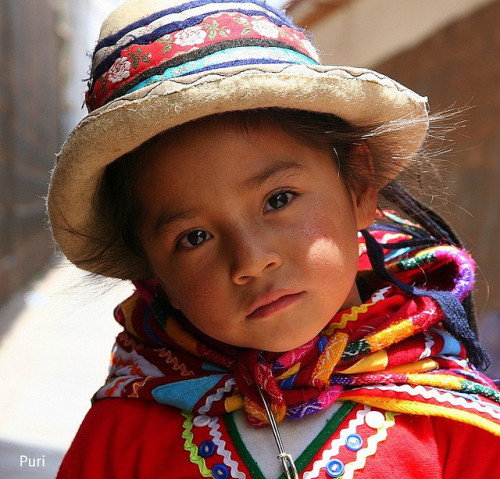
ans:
x=364 y=194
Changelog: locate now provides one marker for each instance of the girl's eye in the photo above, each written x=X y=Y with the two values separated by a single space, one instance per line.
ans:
x=193 y=239
x=279 y=200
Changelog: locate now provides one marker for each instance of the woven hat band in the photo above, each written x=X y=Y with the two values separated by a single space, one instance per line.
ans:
x=196 y=37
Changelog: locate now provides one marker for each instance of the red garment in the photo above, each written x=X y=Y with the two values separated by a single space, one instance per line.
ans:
x=385 y=363
x=123 y=438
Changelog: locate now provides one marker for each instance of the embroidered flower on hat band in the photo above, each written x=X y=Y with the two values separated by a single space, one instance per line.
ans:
x=190 y=36
x=120 y=70
x=135 y=63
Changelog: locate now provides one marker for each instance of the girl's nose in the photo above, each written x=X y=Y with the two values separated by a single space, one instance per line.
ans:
x=252 y=257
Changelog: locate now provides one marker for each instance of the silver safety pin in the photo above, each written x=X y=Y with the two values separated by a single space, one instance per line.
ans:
x=285 y=458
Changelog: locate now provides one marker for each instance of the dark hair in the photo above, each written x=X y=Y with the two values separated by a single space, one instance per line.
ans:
x=117 y=204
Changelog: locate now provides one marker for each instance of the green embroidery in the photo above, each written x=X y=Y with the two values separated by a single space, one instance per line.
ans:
x=138 y=57
x=187 y=435
x=355 y=349
x=213 y=28
x=475 y=388
x=417 y=261
x=305 y=458
x=167 y=40
x=244 y=23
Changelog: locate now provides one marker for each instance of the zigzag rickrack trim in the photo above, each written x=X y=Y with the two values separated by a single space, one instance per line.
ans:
x=371 y=449
x=222 y=451
x=217 y=396
x=362 y=454
x=194 y=457
x=337 y=443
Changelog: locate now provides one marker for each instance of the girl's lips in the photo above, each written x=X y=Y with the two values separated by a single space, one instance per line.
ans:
x=273 y=302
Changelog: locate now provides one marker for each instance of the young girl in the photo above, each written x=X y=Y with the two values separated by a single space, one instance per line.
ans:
x=283 y=324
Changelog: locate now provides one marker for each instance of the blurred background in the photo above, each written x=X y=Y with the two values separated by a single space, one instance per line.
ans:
x=56 y=326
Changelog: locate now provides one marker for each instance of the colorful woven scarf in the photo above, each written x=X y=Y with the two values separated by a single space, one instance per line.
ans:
x=393 y=351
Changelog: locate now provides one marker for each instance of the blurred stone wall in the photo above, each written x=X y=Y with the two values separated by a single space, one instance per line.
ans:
x=459 y=65
x=30 y=85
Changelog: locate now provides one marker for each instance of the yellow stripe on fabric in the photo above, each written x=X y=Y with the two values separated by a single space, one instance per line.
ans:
x=371 y=448
x=127 y=308
x=183 y=339
x=391 y=335
x=346 y=317
x=437 y=380
x=373 y=362
x=329 y=358
x=258 y=412
x=255 y=411
x=233 y=403
x=194 y=457
x=420 y=366
x=425 y=409
x=290 y=372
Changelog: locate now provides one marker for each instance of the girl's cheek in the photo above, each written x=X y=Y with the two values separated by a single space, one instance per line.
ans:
x=322 y=252
x=329 y=241
x=190 y=291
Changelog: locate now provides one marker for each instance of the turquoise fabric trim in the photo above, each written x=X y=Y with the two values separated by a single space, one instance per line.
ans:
x=451 y=346
x=185 y=394
x=235 y=56
x=396 y=253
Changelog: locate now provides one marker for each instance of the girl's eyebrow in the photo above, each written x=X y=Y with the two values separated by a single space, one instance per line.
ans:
x=282 y=167
x=166 y=219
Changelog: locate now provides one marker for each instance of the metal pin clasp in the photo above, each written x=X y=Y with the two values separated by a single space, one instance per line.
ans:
x=288 y=466
x=286 y=459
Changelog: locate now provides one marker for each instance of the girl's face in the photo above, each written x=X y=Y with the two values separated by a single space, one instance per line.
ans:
x=252 y=234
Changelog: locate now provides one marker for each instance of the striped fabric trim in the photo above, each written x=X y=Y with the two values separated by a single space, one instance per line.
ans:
x=229 y=58
x=425 y=409
x=147 y=30
x=136 y=63
x=187 y=8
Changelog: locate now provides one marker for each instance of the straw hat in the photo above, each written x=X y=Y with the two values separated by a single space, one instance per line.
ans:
x=161 y=63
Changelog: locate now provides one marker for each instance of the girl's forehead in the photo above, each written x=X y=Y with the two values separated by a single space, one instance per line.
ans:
x=204 y=156
x=241 y=136
x=238 y=121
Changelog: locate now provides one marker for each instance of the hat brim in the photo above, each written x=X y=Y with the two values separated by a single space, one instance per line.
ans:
x=359 y=96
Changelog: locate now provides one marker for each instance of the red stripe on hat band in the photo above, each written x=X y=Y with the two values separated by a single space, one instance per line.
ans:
x=136 y=60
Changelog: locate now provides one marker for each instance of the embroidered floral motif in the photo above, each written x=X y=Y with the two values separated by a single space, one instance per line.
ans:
x=135 y=59
x=213 y=29
x=120 y=70
x=167 y=40
x=190 y=36
x=266 y=28
x=244 y=23
x=139 y=56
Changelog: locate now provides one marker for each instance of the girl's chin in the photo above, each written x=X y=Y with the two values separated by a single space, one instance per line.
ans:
x=279 y=346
